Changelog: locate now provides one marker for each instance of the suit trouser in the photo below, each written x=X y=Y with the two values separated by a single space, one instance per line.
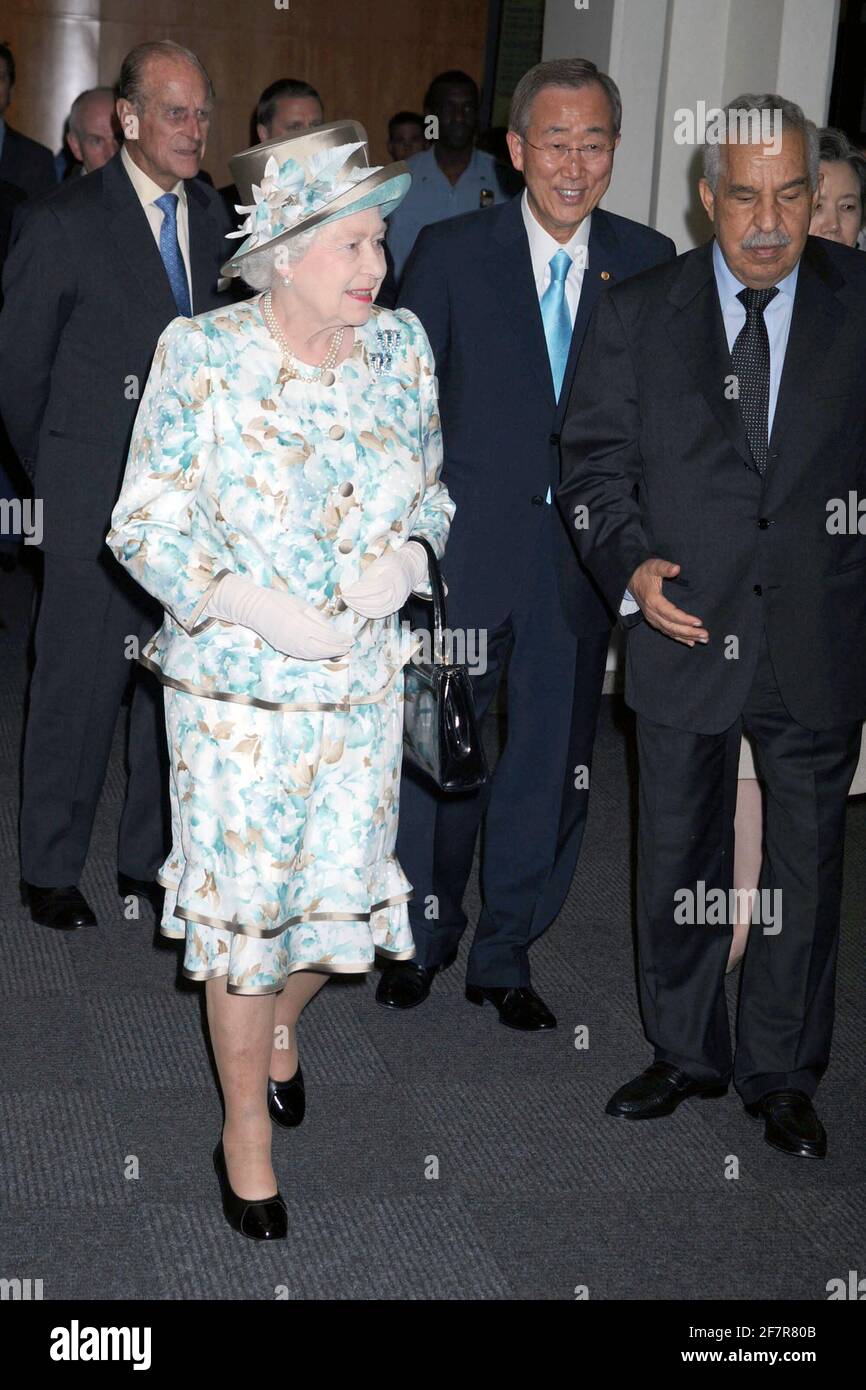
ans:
x=533 y=814
x=688 y=788
x=89 y=609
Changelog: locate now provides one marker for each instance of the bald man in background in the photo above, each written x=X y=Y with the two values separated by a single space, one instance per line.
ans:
x=94 y=130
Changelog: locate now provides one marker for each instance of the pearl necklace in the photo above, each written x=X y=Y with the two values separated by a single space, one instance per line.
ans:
x=291 y=362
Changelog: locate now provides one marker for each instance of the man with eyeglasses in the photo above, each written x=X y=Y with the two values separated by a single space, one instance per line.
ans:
x=98 y=269
x=505 y=296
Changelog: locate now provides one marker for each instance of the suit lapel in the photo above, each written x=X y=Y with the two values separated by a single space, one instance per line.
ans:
x=203 y=240
x=135 y=243
x=696 y=326
x=603 y=268
x=508 y=268
x=815 y=321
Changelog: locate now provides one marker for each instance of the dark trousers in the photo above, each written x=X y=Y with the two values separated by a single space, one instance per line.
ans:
x=533 y=814
x=688 y=788
x=91 y=614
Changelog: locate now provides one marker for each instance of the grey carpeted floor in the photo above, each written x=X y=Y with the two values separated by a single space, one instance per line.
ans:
x=109 y=1113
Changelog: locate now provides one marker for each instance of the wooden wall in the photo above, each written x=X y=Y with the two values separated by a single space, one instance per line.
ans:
x=368 y=58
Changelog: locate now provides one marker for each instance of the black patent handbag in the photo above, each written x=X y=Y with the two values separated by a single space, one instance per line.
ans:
x=441 y=738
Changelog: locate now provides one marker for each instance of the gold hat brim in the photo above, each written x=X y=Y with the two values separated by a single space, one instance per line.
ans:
x=248 y=166
x=384 y=189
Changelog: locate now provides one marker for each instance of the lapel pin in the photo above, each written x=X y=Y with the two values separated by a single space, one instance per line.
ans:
x=605 y=275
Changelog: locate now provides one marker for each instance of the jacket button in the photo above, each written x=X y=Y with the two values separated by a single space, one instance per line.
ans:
x=763 y=523
x=346 y=489
x=344 y=547
x=336 y=432
x=554 y=439
x=328 y=378
x=538 y=500
x=758 y=590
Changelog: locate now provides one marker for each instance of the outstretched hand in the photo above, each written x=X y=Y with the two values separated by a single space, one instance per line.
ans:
x=646 y=587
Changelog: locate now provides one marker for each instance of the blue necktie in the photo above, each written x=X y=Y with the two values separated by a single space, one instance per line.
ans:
x=169 y=249
x=557 y=321
x=556 y=318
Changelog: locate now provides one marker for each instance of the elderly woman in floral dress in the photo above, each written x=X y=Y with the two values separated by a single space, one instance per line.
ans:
x=285 y=452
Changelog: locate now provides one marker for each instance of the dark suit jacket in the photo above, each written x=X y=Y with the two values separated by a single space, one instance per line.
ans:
x=470 y=281
x=86 y=298
x=10 y=197
x=27 y=164
x=658 y=454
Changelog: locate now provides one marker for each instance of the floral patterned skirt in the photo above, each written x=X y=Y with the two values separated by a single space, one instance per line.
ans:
x=284 y=826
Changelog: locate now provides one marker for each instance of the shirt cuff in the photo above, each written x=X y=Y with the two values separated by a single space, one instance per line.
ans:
x=629 y=605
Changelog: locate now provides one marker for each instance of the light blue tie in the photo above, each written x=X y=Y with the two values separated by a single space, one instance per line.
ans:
x=169 y=249
x=556 y=318
x=557 y=321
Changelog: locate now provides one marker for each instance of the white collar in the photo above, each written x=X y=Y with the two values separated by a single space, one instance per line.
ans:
x=542 y=246
x=147 y=190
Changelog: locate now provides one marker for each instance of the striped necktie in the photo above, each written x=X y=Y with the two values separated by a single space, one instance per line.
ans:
x=169 y=249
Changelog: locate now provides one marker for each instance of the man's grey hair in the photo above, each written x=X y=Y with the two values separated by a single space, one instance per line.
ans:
x=792 y=118
x=131 y=82
x=78 y=105
x=560 y=72
x=259 y=269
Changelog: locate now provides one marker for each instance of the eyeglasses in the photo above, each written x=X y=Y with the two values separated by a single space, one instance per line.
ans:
x=556 y=153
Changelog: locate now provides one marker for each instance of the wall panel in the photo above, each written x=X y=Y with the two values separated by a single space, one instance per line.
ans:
x=368 y=58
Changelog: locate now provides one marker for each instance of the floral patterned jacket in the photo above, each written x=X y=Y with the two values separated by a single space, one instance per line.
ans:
x=234 y=465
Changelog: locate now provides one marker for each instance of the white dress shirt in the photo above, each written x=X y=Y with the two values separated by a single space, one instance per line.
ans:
x=148 y=192
x=543 y=247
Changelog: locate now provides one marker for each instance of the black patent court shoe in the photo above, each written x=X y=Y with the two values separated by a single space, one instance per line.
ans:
x=266 y=1219
x=287 y=1100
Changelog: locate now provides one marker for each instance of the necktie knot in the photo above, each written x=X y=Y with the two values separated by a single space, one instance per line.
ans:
x=167 y=204
x=560 y=265
x=756 y=301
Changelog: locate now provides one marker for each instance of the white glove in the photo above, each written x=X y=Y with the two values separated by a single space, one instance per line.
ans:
x=387 y=583
x=287 y=624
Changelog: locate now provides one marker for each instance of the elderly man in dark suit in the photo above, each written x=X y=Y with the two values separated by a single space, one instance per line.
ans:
x=24 y=162
x=716 y=420
x=504 y=295
x=96 y=273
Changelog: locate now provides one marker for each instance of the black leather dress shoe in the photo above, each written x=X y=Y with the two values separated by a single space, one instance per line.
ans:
x=149 y=889
x=67 y=909
x=404 y=984
x=790 y=1123
x=519 y=1006
x=287 y=1100
x=658 y=1091
x=263 y=1220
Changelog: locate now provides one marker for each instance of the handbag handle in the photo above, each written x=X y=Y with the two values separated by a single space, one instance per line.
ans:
x=438 y=593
